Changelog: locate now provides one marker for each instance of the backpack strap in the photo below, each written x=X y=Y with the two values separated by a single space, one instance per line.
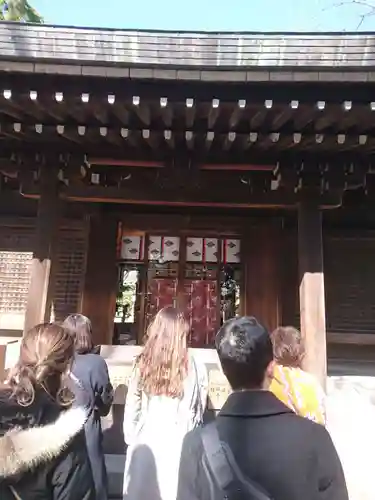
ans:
x=225 y=470
x=14 y=493
x=199 y=402
x=216 y=459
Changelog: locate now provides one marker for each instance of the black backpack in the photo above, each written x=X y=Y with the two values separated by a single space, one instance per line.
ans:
x=225 y=471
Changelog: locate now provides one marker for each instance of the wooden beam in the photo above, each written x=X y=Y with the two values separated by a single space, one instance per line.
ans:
x=213 y=113
x=9 y=108
x=237 y=114
x=199 y=224
x=351 y=338
x=284 y=115
x=233 y=197
x=175 y=90
x=125 y=163
x=9 y=168
x=238 y=167
x=189 y=112
x=166 y=112
x=311 y=288
x=142 y=110
x=258 y=115
x=329 y=117
x=39 y=302
x=121 y=113
x=100 y=109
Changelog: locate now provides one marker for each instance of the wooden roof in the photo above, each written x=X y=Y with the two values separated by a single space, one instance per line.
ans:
x=237 y=56
x=160 y=118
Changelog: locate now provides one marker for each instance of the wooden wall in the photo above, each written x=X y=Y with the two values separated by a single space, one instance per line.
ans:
x=261 y=258
x=349 y=275
x=350 y=281
x=87 y=274
x=16 y=249
x=100 y=288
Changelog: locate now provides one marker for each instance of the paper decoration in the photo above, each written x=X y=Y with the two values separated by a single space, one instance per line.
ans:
x=231 y=251
x=164 y=248
x=201 y=249
x=132 y=247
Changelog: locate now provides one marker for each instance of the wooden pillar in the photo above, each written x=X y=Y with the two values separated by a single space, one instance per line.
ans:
x=311 y=288
x=99 y=295
x=290 y=278
x=261 y=283
x=40 y=295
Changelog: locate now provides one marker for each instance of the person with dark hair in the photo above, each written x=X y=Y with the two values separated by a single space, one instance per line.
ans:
x=93 y=390
x=257 y=448
x=43 y=455
x=294 y=386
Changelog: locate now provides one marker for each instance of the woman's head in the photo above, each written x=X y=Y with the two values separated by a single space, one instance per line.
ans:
x=46 y=355
x=163 y=362
x=80 y=328
x=288 y=346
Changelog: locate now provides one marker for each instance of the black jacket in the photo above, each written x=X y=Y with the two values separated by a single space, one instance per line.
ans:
x=93 y=391
x=291 y=457
x=43 y=453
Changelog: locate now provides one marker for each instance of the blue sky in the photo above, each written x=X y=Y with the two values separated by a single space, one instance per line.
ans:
x=241 y=15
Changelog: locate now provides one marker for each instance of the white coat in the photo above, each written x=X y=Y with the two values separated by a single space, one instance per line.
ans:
x=154 y=429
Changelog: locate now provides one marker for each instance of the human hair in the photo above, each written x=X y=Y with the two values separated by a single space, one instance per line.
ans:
x=79 y=326
x=46 y=354
x=164 y=359
x=288 y=346
x=245 y=352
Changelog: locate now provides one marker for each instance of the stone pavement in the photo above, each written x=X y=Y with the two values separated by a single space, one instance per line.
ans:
x=350 y=410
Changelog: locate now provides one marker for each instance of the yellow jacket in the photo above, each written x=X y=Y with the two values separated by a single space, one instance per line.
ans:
x=300 y=391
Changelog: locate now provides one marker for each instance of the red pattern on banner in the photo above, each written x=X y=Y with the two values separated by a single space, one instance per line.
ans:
x=201 y=311
x=162 y=292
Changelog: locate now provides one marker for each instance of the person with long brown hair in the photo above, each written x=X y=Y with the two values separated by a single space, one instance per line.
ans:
x=93 y=390
x=42 y=446
x=166 y=399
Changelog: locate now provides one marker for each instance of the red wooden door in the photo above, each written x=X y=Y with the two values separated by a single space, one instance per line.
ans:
x=201 y=311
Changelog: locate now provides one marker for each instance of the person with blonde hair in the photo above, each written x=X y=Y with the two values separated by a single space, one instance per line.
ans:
x=43 y=453
x=166 y=399
x=296 y=388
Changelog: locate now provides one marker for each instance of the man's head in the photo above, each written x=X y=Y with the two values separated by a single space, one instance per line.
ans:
x=245 y=351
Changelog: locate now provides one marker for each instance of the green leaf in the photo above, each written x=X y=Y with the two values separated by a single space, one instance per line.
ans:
x=19 y=10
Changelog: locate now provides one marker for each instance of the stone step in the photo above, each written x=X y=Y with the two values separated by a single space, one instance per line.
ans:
x=115 y=468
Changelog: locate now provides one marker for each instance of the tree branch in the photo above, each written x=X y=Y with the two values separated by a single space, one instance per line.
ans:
x=367 y=5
